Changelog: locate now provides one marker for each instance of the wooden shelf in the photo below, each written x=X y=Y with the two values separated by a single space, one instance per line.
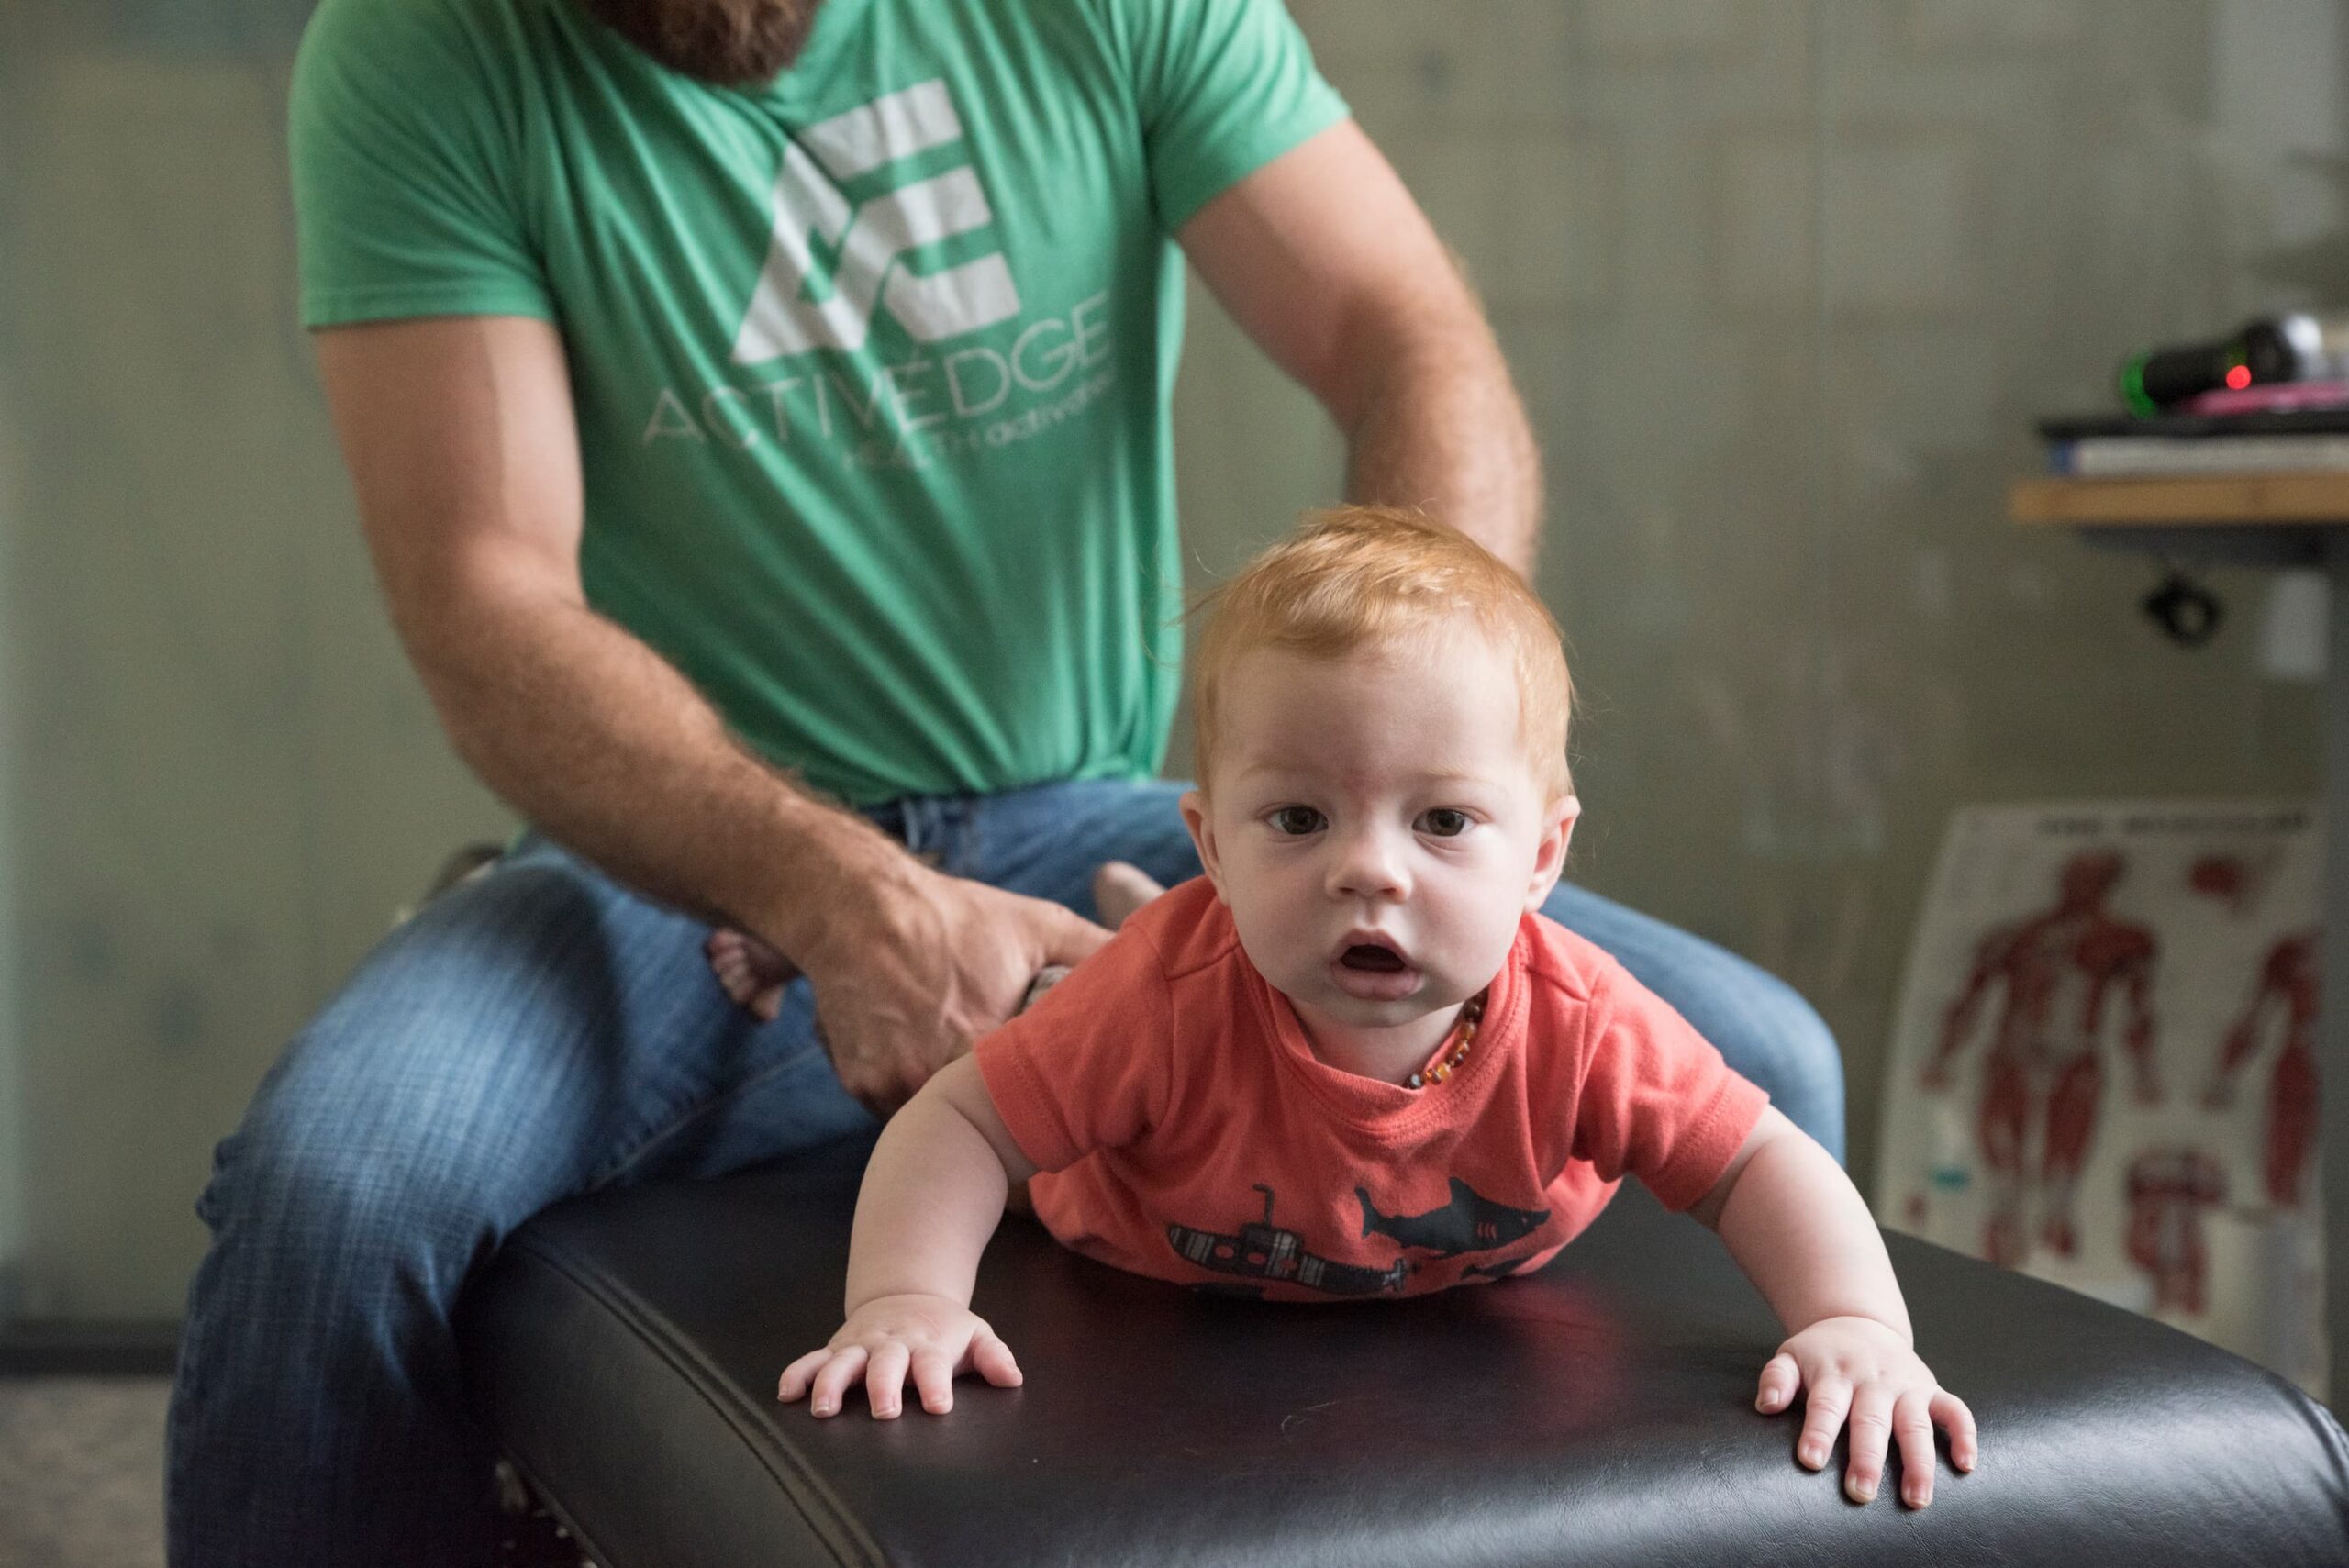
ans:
x=2249 y=499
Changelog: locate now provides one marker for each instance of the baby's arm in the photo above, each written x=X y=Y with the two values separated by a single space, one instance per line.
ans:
x=931 y=1196
x=1803 y=1234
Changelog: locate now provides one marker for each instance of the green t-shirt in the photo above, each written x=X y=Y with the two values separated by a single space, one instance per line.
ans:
x=872 y=364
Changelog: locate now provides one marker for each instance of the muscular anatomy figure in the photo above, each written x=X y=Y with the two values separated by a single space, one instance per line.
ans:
x=2168 y=1191
x=2287 y=989
x=2060 y=971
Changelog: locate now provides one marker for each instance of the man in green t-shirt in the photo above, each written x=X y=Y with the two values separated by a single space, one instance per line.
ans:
x=757 y=412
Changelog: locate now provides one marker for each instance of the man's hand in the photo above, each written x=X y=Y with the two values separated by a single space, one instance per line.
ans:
x=1863 y=1369
x=935 y=1337
x=921 y=965
x=753 y=975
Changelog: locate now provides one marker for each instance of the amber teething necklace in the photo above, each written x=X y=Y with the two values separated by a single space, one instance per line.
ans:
x=1449 y=1054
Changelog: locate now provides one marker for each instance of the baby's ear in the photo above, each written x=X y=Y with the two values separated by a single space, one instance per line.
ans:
x=1550 y=857
x=1195 y=816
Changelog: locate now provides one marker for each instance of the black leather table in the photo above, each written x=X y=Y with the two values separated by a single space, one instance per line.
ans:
x=625 y=1350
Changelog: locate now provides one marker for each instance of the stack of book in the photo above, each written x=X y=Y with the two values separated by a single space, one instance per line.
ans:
x=2293 y=429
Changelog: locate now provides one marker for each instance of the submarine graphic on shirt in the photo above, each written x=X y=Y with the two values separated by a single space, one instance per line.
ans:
x=1261 y=1249
x=1469 y=1223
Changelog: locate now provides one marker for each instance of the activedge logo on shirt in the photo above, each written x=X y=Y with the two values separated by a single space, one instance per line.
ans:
x=869 y=239
x=952 y=403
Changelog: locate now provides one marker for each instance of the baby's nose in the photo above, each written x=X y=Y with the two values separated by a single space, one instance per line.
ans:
x=1369 y=864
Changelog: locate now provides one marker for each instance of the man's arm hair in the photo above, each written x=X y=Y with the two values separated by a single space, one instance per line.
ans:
x=1324 y=258
x=460 y=438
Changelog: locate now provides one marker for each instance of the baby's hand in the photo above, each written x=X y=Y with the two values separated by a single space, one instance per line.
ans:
x=935 y=1337
x=1858 y=1366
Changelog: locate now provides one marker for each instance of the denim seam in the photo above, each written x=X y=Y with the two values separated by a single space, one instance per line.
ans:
x=974 y=845
x=684 y=1118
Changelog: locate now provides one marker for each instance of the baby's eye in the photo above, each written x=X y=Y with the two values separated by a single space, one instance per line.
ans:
x=1296 y=820
x=1444 y=822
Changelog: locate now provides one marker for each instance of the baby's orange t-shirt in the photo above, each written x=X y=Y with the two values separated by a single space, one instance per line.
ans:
x=1187 y=1130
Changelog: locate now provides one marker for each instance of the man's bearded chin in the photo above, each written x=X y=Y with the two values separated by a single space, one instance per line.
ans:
x=730 y=43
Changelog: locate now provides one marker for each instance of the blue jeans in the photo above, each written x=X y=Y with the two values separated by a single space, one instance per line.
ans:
x=541 y=1032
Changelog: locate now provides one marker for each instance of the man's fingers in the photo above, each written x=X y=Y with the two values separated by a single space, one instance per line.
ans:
x=767 y=1004
x=992 y=1358
x=1119 y=889
x=833 y=1381
x=1780 y=1377
x=1069 y=938
x=885 y=1379
x=1949 y=1411
x=871 y=1087
x=1051 y=974
x=1871 y=1425
x=1822 y=1419
x=1912 y=1429
x=882 y=1095
x=914 y=1009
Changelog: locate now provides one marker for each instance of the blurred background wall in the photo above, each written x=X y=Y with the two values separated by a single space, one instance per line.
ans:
x=1783 y=282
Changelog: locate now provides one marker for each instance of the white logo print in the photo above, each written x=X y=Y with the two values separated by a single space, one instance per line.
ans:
x=872 y=238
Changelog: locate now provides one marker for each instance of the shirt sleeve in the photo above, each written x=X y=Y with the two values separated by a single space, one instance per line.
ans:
x=404 y=151
x=1223 y=87
x=1656 y=1101
x=1088 y=1067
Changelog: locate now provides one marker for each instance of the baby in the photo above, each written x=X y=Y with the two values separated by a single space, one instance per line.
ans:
x=1352 y=1059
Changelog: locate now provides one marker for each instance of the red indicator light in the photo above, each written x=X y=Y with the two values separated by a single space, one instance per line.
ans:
x=2238 y=376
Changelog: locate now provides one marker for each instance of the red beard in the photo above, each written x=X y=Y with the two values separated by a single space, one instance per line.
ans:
x=729 y=44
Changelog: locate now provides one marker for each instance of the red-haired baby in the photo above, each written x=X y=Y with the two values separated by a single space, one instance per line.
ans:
x=1355 y=1034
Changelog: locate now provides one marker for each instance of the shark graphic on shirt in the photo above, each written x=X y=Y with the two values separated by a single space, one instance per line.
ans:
x=1469 y=1223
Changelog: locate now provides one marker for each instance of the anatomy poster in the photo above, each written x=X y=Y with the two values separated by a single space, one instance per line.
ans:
x=2104 y=1063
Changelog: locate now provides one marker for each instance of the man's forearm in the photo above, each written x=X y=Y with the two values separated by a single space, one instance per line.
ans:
x=1442 y=428
x=601 y=743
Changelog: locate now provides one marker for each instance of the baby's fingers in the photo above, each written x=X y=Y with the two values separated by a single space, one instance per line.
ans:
x=832 y=1382
x=934 y=1380
x=1912 y=1429
x=799 y=1374
x=1871 y=1436
x=1780 y=1377
x=992 y=1359
x=885 y=1378
x=1958 y=1422
x=1823 y=1417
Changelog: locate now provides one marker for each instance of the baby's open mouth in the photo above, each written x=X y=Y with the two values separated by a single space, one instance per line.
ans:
x=1370 y=956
